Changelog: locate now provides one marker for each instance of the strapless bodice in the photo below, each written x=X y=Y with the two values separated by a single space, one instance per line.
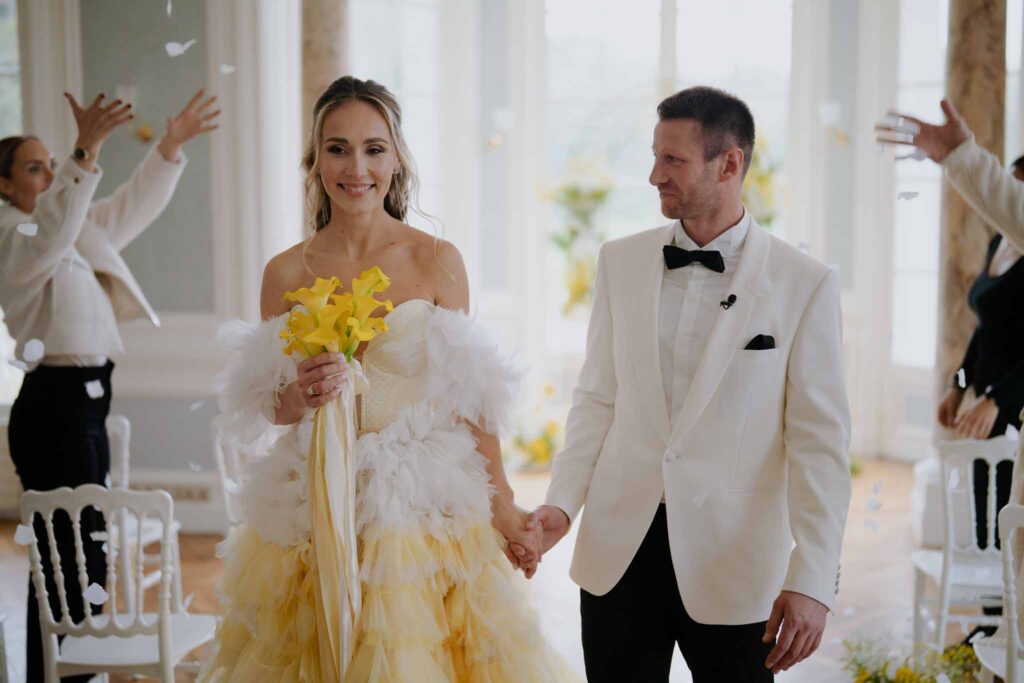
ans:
x=395 y=364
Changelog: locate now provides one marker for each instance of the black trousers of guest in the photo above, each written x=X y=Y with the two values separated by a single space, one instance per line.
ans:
x=57 y=436
x=630 y=632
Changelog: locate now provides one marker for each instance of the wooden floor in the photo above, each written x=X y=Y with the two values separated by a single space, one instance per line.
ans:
x=875 y=594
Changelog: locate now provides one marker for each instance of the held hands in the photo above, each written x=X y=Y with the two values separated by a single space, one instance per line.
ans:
x=546 y=526
x=935 y=141
x=803 y=624
x=523 y=545
x=194 y=119
x=96 y=122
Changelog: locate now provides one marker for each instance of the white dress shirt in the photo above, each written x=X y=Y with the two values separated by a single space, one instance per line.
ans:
x=691 y=298
x=67 y=285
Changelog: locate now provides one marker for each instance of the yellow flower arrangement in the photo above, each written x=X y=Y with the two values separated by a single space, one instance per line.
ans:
x=341 y=325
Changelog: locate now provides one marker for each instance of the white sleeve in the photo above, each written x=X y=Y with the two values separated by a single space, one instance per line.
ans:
x=990 y=189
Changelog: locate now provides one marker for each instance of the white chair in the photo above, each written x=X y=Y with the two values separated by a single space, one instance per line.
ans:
x=1000 y=655
x=966 y=574
x=229 y=469
x=117 y=641
x=119 y=432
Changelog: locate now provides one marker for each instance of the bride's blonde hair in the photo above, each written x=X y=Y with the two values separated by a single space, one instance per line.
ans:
x=404 y=190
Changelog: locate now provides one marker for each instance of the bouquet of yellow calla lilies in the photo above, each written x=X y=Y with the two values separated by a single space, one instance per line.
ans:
x=337 y=323
x=341 y=325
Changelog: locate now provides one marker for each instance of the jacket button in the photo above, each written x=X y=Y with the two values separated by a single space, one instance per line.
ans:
x=671 y=456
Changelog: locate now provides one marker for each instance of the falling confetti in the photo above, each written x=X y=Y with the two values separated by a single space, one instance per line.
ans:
x=873 y=505
x=931 y=624
x=954 y=479
x=28 y=229
x=33 y=351
x=876 y=488
x=871 y=524
x=849 y=611
x=227 y=69
x=94 y=388
x=95 y=594
x=196 y=406
x=699 y=498
x=169 y=8
x=18 y=364
x=99 y=536
x=24 y=535
x=106 y=481
x=188 y=601
x=907 y=195
x=175 y=49
x=195 y=467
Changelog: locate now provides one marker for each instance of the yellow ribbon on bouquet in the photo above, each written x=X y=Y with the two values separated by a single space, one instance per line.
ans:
x=337 y=327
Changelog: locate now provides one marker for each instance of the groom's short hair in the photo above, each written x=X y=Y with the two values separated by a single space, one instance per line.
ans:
x=725 y=119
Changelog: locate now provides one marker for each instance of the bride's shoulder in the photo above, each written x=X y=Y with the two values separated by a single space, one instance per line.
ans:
x=284 y=272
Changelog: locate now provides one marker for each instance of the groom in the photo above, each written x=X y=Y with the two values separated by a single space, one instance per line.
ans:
x=709 y=429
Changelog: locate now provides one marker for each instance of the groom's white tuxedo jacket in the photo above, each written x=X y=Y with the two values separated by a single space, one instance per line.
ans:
x=754 y=468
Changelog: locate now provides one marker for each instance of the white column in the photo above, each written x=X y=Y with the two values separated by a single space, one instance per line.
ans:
x=49 y=43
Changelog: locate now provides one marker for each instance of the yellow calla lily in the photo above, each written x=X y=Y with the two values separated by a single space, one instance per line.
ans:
x=316 y=297
x=300 y=324
x=371 y=281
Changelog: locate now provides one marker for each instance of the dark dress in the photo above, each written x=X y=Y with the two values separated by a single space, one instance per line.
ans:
x=994 y=366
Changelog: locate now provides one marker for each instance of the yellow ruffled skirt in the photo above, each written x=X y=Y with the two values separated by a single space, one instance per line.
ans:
x=441 y=610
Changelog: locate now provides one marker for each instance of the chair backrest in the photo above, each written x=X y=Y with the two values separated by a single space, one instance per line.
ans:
x=1011 y=520
x=119 y=432
x=229 y=469
x=958 y=492
x=109 y=502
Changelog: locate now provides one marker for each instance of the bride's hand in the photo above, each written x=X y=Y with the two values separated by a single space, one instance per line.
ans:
x=321 y=378
x=523 y=546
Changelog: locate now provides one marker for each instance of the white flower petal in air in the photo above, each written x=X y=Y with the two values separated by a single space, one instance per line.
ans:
x=931 y=625
x=106 y=480
x=188 y=601
x=94 y=388
x=194 y=466
x=954 y=479
x=871 y=524
x=33 y=351
x=196 y=406
x=169 y=8
x=916 y=155
x=227 y=69
x=28 y=229
x=699 y=497
x=18 y=364
x=99 y=536
x=175 y=49
x=849 y=611
x=873 y=505
x=907 y=195
x=24 y=535
x=95 y=594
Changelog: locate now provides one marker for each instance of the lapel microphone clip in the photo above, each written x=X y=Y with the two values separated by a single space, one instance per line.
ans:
x=728 y=302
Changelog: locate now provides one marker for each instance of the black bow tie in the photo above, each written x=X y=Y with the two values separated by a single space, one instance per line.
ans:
x=676 y=257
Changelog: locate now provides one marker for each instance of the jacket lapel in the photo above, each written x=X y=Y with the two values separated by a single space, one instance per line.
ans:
x=747 y=284
x=125 y=294
x=647 y=358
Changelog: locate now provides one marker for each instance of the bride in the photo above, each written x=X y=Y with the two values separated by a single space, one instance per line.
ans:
x=433 y=511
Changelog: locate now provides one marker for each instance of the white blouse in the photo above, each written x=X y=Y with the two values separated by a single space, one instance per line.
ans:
x=67 y=285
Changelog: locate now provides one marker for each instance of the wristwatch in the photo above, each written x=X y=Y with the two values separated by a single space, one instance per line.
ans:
x=82 y=154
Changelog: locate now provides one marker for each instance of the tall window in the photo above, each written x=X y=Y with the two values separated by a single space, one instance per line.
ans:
x=10 y=71
x=395 y=42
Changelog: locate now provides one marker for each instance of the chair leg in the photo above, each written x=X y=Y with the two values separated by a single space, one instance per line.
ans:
x=919 y=579
x=943 y=616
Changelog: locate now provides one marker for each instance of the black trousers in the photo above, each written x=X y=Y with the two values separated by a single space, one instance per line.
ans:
x=57 y=436
x=629 y=633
